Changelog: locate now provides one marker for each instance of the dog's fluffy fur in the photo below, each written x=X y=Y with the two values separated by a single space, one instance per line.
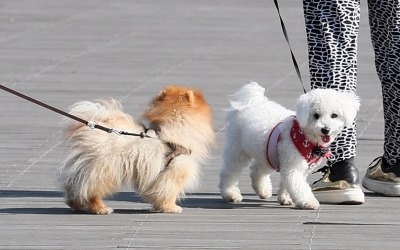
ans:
x=99 y=163
x=249 y=123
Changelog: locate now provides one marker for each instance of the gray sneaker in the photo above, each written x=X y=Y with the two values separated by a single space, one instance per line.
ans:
x=337 y=192
x=380 y=180
x=339 y=185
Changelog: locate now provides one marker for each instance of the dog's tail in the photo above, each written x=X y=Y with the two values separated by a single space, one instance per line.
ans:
x=246 y=96
x=95 y=110
x=108 y=113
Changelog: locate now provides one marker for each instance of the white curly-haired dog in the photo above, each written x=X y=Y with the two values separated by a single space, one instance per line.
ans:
x=268 y=137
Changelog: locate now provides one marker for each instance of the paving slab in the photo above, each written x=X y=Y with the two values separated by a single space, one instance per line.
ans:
x=61 y=52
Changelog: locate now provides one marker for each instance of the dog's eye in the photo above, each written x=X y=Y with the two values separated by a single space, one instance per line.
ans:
x=334 y=115
x=316 y=116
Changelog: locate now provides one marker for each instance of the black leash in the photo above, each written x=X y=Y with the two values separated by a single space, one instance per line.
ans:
x=90 y=124
x=296 y=66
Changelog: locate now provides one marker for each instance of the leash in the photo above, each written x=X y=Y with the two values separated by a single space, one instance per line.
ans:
x=175 y=150
x=90 y=124
x=296 y=66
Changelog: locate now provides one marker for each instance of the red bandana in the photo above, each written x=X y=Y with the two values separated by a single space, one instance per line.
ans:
x=311 y=152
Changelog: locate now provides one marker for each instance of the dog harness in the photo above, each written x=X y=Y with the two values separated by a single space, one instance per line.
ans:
x=272 y=147
x=175 y=150
x=310 y=151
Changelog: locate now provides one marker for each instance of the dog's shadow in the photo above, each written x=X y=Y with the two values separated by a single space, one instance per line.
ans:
x=214 y=201
x=194 y=200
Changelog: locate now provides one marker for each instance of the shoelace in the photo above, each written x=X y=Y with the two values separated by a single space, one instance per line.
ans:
x=323 y=170
x=375 y=160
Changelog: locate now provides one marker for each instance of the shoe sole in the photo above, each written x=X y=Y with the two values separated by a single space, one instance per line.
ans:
x=341 y=197
x=381 y=187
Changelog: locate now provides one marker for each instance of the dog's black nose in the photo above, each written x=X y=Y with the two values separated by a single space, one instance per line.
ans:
x=325 y=131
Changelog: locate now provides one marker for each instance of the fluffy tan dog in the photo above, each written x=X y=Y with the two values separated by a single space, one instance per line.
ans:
x=160 y=169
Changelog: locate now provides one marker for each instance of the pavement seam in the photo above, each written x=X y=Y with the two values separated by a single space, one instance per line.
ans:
x=33 y=163
x=312 y=234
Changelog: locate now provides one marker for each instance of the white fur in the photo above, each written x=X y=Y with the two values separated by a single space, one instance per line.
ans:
x=250 y=120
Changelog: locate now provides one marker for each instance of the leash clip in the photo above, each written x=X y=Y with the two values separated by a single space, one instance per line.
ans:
x=115 y=131
x=91 y=124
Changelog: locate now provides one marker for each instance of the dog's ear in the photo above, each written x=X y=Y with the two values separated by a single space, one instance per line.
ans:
x=189 y=95
x=303 y=107
x=162 y=94
x=350 y=104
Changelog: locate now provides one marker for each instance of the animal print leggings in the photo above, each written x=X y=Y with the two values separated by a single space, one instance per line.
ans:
x=332 y=31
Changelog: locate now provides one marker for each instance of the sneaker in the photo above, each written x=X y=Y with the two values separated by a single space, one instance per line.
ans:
x=339 y=185
x=382 y=179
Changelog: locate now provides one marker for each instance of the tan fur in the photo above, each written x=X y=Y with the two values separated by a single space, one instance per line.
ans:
x=99 y=163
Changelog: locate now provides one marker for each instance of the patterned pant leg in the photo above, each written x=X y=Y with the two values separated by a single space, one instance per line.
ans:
x=384 y=18
x=332 y=31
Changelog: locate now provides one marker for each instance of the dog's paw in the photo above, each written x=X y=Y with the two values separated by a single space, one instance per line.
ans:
x=102 y=210
x=232 y=197
x=285 y=200
x=308 y=204
x=264 y=194
x=168 y=209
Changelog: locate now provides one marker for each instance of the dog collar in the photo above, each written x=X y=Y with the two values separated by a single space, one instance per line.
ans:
x=272 y=147
x=310 y=151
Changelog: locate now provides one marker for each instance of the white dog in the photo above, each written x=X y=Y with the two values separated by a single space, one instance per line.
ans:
x=272 y=138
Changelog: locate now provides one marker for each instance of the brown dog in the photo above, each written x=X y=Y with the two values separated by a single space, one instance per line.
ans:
x=160 y=169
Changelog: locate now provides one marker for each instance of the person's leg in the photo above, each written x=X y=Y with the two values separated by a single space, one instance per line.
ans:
x=384 y=18
x=332 y=30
